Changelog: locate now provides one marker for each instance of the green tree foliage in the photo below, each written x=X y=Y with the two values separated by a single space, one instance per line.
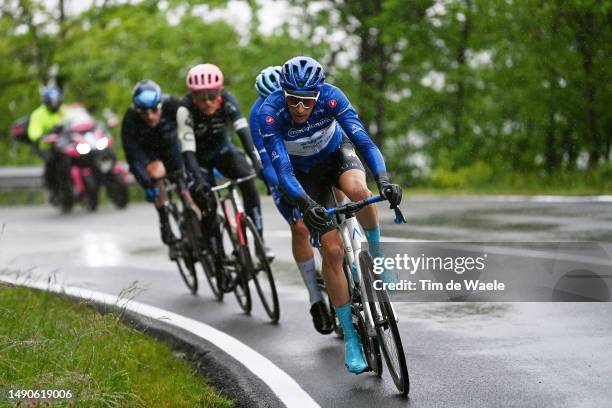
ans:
x=447 y=88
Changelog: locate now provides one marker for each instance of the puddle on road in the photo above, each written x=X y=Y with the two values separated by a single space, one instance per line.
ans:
x=145 y=250
x=463 y=220
x=453 y=311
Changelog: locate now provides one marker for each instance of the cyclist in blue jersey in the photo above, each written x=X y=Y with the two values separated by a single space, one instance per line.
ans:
x=302 y=127
x=267 y=82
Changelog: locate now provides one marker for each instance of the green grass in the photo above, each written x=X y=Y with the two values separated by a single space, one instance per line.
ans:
x=50 y=342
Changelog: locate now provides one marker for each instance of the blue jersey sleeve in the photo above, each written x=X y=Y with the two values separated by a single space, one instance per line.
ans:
x=268 y=170
x=273 y=142
x=342 y=110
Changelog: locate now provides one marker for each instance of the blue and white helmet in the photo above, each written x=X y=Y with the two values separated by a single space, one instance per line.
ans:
x=268 y=81
x=302 y=76
x=146 y=94
x=52 y=97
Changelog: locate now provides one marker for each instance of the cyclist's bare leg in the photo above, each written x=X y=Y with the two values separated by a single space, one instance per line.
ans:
x=333 y=254
x=340 y=196
x=157 y=171
x=300 y=242
x=337 y=287
x=353 y=184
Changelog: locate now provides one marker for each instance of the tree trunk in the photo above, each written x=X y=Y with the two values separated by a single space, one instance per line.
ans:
x=551 y=162
x=461 y=69
x=569 y=145
x=585 y=41
x=28 y=19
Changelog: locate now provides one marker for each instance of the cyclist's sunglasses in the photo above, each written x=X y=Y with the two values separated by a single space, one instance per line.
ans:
x=144 y=112
x=308 y=102
x=206 y=95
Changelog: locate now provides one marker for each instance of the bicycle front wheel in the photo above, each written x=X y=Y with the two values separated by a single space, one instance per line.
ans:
x=260 y=270
x=206 y=262
x=179 y=251
x=386 y=328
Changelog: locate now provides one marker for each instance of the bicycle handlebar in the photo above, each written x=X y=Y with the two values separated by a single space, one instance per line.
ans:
x=357 y=205
x=234 y=182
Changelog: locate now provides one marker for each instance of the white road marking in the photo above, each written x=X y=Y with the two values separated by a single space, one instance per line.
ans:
x=285 y=387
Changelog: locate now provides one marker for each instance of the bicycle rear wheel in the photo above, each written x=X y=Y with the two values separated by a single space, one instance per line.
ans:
x=260 y=270
x=236 y=270
x=386 y=329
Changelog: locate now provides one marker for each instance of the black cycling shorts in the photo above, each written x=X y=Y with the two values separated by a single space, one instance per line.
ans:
x=319 y=180
x=169 y=155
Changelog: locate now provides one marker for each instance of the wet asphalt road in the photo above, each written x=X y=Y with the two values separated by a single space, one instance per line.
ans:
x=459 y=355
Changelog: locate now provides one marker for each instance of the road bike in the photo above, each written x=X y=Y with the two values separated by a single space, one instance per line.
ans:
x=185 y=248
x=238 y=253
x=373 y=313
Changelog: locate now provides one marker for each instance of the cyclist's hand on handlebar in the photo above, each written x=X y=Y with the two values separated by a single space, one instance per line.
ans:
x=316 y=218
x=392 y=192
x=202 y=189
x=314 y=214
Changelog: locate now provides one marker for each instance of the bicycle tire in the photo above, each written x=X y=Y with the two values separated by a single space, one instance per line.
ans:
x=388 y=333
x=261 y=271
x=236 y=260
x=374 y=358
x=209 y=270
x=184 y=260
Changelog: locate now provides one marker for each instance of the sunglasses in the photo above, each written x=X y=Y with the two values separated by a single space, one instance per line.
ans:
x=308 y=102
x=145 y=112
x=206 y=96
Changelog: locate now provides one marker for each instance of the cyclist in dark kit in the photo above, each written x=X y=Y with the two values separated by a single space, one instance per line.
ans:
x=152 y=148
x=203 y=119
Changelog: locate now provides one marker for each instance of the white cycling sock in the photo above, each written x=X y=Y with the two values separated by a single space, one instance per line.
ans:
x=309 y=274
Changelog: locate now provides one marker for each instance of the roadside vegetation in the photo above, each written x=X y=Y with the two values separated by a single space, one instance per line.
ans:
x=463 y=95
x=48 y=342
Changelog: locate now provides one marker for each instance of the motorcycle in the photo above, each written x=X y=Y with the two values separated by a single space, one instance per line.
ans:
x=86 y=163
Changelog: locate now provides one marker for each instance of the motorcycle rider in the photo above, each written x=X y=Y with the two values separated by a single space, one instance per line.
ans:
x=151 y=146
x=43 y=121
x=203 y=118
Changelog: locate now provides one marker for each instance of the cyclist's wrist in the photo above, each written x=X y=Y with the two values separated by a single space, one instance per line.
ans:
x=304 y=202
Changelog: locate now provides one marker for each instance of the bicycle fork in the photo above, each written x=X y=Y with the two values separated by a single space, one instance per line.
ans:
x=352 y=238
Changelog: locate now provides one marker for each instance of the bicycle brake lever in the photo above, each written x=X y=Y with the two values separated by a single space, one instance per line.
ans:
x=399 y=217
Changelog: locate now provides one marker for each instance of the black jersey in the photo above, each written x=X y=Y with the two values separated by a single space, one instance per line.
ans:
x=211 y=132
x=139 y=140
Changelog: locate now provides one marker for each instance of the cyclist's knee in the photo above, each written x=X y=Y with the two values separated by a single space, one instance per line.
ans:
x=300 y=232
x=358 y=191
x=332 y=247
x=156 y=169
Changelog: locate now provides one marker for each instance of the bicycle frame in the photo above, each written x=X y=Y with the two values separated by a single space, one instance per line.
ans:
x=237 y=207
x=352 y=240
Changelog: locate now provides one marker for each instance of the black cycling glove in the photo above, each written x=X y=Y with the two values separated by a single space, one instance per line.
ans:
x=392 y=192
x=314 y=214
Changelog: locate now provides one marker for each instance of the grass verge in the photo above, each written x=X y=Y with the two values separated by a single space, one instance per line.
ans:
x=50 y=342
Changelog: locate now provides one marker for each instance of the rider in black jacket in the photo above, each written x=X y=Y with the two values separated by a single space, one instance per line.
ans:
x=151 y=146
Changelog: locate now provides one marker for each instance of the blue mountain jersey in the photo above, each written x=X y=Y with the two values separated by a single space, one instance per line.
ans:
x=268 y=170
x=303 y=146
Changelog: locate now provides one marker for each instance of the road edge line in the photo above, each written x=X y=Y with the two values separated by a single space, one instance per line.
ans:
x=288 y=391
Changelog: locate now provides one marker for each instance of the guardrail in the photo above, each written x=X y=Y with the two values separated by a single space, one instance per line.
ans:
x=23 y=178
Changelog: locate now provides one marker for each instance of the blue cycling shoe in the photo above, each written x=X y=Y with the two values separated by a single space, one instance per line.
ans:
x=353 y=356
x=389 y=276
